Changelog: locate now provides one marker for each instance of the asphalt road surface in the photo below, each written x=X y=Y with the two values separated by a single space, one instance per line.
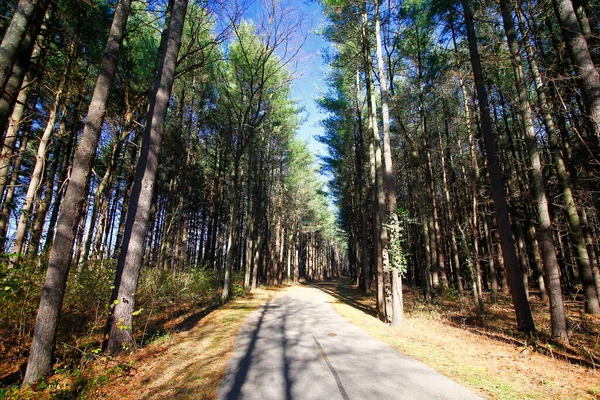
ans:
x=298 y=347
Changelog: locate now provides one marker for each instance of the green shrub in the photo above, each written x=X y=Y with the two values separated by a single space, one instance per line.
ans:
x=20 y=290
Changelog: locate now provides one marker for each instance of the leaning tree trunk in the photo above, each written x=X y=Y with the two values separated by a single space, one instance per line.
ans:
x=16 y=118
x=579 y=52
x=551 y=269
x=521 y=304
x=38 y=169
x=46 y=324
x=25 y=17
x=43 y=205
x=21 y=65
x=577 y=237
x=120 y=323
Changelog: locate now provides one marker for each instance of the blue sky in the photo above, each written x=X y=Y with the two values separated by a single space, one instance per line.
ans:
x=310 y=75
x=307 y=68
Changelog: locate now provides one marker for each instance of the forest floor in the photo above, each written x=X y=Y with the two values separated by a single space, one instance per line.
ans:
x=483 y=353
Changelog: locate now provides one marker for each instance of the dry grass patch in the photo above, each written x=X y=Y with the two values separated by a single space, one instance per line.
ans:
x=186 y=364
x=192 y=366
x=492 y=368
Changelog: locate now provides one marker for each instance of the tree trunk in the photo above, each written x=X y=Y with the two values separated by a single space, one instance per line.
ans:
x=551 y=269
x=37 y=173
x=390 y=187
x=7 y=205
x=27 y=14
x=44 y=336
x=577 y=47
x=16 y=118
x=362 y=189
x=521 y=304
x=232 y=239
x=44 y=203
x=120 y=323
x=577 y=237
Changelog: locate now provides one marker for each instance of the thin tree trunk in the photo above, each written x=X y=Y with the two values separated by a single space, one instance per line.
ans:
x=7 y=205
x=44 y=203
x=390 y=187
x=360 y=172
x=450 y=215
x=16 y=118
x=491 y=259
x=577 y=237
x=38 y=169
x=232 y=239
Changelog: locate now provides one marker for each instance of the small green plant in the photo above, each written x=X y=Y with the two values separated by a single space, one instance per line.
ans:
x=594 y=391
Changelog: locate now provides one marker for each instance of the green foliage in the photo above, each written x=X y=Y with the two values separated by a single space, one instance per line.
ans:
x=191 y=285
x=20 y=289
x=397 y=242
x=237 y=286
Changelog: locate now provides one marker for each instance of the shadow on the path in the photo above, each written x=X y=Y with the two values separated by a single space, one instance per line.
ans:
x=326 y=287
x=244 y=365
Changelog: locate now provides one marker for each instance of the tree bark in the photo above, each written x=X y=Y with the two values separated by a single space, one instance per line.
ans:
x=577 y=237
x=232 y=239
x=521 y=304
x=24 y=18
x=44 y=336
x=390 y=187
x=551 y=269
x=120 y=323
x=16 y=117
x=579 y=52
x=7 y=205
x=38 y=169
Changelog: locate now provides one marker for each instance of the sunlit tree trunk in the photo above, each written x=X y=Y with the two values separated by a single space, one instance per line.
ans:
x=38 y=169
x=44 y=336
x=551 y=269
x=579 y=52
x=390 y=187
x=583 y=260
x=120 y=323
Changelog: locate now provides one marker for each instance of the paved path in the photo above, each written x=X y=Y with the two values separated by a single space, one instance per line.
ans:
x=297 y=347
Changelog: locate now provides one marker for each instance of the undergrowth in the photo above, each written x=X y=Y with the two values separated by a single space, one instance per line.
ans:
x=163 y=298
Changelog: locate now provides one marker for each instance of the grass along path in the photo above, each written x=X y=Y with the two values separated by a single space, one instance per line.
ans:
x=190 y=364
x=187 y=363
x=491 y=368
x=193 y=363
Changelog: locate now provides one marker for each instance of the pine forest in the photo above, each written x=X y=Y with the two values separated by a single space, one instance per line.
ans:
x=154 y=166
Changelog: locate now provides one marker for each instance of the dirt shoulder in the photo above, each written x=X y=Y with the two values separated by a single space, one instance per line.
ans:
x=190 y=361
